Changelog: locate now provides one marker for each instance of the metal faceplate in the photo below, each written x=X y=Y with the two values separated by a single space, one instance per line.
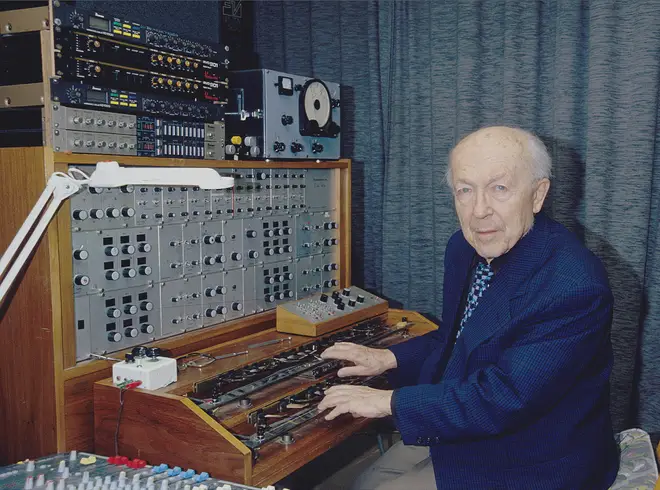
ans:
x=151 y=262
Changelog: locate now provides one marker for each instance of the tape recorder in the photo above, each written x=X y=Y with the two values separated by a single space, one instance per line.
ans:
x=277 y=115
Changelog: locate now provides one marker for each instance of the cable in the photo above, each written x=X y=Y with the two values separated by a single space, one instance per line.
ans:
x=123 y=388
x=121 y=409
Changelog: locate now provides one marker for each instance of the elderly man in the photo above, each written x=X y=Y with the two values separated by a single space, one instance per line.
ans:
x=512 y=391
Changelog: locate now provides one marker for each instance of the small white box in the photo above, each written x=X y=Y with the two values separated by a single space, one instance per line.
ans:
x=154 y=373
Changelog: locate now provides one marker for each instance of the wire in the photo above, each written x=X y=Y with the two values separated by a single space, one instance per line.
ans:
x=121 y=409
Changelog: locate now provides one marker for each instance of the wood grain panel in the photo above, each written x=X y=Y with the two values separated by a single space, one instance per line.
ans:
x=27 y=383
x=164 y=429
x=80 y=158
x=345 y=226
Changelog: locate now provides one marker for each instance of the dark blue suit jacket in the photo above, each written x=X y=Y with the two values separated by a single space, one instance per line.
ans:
x=524 y=400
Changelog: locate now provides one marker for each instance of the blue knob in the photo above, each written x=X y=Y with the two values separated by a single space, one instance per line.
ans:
x=201 y=477
x=174 y=471
x=189 y=473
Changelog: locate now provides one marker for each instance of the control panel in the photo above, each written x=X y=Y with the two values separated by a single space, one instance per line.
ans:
x=90 y=131
x=282 y=116
x=150 y=262
x=84 y=470
x=103 y=98
x=67 y=15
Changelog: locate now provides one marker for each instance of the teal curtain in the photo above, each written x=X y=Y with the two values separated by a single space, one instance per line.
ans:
x=418 y=75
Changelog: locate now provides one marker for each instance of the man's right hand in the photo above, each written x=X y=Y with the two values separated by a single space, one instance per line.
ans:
x=368 y=361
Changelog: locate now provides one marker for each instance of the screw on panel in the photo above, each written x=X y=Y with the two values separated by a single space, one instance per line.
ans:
x=8 y=27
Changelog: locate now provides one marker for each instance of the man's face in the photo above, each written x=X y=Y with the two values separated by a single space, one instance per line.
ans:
x=494 y=192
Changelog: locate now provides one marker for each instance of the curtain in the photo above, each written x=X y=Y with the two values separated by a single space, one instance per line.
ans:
x=418 y=75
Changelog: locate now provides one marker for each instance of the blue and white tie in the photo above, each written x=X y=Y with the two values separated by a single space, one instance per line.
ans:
x=482 y=276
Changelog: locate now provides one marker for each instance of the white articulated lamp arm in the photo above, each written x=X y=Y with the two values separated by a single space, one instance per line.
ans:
x=61 y=186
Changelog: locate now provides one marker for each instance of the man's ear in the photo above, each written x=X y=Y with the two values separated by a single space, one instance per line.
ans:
x=540 y=193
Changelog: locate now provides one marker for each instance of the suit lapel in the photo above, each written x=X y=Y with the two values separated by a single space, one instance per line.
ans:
x=493 y=311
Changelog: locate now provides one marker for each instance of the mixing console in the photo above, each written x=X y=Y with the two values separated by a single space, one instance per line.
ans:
x=85 y=471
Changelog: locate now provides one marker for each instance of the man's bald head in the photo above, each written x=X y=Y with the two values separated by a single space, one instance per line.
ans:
x=500 y=178
x=530 y=148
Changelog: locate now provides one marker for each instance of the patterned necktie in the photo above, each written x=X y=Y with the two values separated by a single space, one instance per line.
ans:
x=480 y=281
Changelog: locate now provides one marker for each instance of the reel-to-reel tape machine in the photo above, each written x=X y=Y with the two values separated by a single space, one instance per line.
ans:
x=277 y=115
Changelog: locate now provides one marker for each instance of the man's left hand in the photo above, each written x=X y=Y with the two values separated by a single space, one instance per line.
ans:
x=360 y=401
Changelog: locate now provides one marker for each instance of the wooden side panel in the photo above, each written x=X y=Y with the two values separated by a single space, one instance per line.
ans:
x=345 y=226
x=150 y=423
x=79 y=410
x=27 y=386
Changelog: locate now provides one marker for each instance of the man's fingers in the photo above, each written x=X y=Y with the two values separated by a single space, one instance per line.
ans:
x=338 y=410
x=353 y=371
x=346 y=352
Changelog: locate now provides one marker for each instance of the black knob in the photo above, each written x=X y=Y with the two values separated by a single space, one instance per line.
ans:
x=139 y=351
x=317 y=147
x=346 y=292
x=130 y=358
x=341 y=306
x=153 y=352
x=296 y=147
x=360 y=298
x=324 y=298
x=279 y=146
x=335 y=295
x=251 y=233
x=351 y=302
x=286 y=120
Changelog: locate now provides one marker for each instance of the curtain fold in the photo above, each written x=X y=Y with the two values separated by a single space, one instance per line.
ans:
x=418 y=75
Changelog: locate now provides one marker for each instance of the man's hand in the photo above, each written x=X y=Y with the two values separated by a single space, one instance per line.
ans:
x=368 y=361
x=360 y=401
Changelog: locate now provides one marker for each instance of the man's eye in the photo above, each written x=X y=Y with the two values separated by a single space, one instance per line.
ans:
x=500 y=188
x=463 y=190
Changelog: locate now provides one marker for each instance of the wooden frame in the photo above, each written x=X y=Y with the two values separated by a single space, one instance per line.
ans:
x=175 y=431
x=45 y=396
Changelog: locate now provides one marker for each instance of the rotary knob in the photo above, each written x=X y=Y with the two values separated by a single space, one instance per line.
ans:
x=222 y=310
x=111 y=251
x=96 y=213
x=221 y=290
x=127 y=212
x=360 y=298
x=269 y=298
x=130 y=309
x=81 y=280
x=209 y=240
x=114 y=336
x=317 y=148
x=128 y=249
x=236 y=306
x=146 y=306
x=210 y=312
x=145 y=270
x=296 y=147
x=269 y=280
x=112 y=213
x=253 y=254
x=144 y=248
x=113 y=312
x=208 y=260
x=236 y=256
x=112 y=275
x=131 y=332
x=251 y=234
x=147 y=328
x=129 y=273
x=286 y=120
x=80 y=254
x=80 y=215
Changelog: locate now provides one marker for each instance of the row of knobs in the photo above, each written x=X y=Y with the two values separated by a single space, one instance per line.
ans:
x=270 y=298
x=296 y=147
x=131 y=332
x=90 y=121
x=82 y=215
x=102 y=144
x=160 y=59
x=113 y=275
x=221 y=310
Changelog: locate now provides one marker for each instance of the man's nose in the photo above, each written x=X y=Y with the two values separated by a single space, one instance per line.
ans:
x=481 y=205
